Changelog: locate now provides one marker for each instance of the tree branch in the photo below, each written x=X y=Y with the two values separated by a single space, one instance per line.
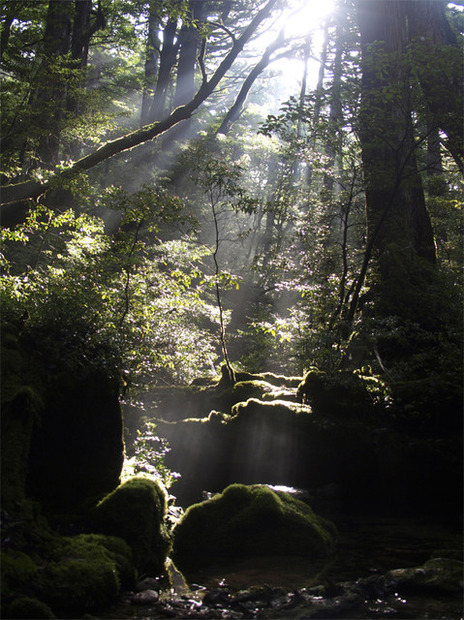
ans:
x=13 y=194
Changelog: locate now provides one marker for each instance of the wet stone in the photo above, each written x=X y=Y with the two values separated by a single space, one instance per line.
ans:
x=147 y=597
x=149 y=583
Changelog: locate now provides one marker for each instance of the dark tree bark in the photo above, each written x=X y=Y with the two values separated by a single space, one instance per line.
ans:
x=442 y=77
x=235 y=111
x=189 y=46
x=52 y=94
x=399 y=232
x=396 y=212
x=189 y=42
x=84 y=28
x=167 y=60
x=152 y=51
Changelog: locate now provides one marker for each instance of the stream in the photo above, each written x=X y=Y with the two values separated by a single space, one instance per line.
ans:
x=348 y=585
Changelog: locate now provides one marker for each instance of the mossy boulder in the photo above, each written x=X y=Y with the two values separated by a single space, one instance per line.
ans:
x=136 y=512
x=68 y=575
x=343 y=393
x=438 y=574
x=243 y=390
x=62 y=437
x=21 y=406
x=245 y=521
x=29 y=608
x=77 y=451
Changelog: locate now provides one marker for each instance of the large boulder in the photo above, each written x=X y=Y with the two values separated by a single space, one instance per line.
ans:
x=77 y=450
x=245 y=521
x=62 y=439
x=136 y=512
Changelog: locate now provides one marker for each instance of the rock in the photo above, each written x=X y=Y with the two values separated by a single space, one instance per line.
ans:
x=250 y=520
x=68 y=575
x=343 y=393
x=77 y=450
x=441 y=574
x=149 y=583
x=136 y=512
x=216 y=598
x=146 y=597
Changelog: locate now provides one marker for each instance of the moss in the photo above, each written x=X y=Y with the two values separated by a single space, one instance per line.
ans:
x=439 y=574
x=82 y=572
x=243 y=390
x=270 y=377
x=342 y=393
x=29 y=609
x=136 y=511
x=246 y=521
x=18 y=571
x=69 y=574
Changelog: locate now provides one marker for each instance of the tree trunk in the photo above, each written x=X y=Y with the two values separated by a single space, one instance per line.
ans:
x=166 y=63
x=189 y=43
x=235 y=111
x=52 y=94
x=334 y=147
x=396 y=212
x=442 y=76
x=152 y=51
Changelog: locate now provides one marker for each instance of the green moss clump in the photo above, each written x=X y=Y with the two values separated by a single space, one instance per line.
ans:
x=270 y=377
x=438 y=574
x=136 y=511
x=246 y=521
x=82 y=572
x=342 y=393
x=18 y=571
x=243 y=390
x=69 y=574
x=29 y=609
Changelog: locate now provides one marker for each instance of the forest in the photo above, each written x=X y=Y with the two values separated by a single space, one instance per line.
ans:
x=231 y=308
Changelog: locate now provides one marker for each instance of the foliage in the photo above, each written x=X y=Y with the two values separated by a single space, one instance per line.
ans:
x=150 y=450
x=127 y=303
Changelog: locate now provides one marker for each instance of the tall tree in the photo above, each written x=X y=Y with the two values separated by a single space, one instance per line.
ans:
x=399 y=228
x=152 y=51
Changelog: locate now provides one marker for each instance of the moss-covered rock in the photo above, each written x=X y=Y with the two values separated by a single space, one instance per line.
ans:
x=21 y=406
x=70 y=575
x=84 y=573
x=77 y=451
x=61 y=426
x=439 y=574
x=250 y=521
x=136 y=511
x=29 y=608
x=344 y=393
x=243 y=390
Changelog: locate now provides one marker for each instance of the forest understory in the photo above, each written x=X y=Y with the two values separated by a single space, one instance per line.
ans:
x=231 y=309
